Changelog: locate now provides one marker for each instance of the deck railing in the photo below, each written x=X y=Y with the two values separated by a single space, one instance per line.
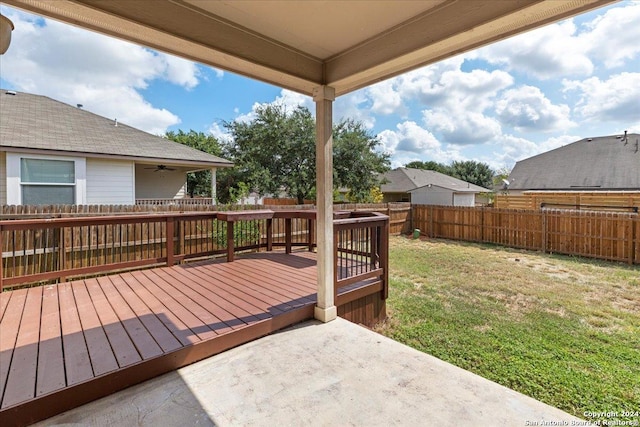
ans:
x=361 y=250
x=51 y=250
x=182 y=201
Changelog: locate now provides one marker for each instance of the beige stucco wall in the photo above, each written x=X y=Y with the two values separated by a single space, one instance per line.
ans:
x=160 y=185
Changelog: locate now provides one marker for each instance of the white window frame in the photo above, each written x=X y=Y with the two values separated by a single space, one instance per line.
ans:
x=14 y=181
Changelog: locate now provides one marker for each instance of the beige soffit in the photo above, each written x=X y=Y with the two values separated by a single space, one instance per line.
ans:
x=347 y=44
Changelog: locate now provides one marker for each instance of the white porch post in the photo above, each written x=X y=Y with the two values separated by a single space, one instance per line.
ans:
x=213 y=186
x=323 y=96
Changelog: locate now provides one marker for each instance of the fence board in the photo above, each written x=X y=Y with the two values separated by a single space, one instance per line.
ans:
x=579 y=200
x=612 y=236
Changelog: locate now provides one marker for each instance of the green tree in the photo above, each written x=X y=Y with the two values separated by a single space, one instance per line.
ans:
x=275 y=152
x=198 y=183
x=477 y=173
x=429 y=165
x=356 y=161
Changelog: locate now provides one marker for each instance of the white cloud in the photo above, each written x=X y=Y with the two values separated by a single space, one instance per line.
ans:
x=386 y=99
x=354 y=105
x=613 y=37
x=543 y=53
x=292 y=100
x=411 y=142
x=510 y=149
x=104 y=74
x=464 y=129
x=456 y=99
x=528 y=109
x=563 y=49
x=220 y=133
x=615 y=99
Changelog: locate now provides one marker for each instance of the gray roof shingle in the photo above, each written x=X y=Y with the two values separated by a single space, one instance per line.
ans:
x=601 y=163
x=402 y=180
x=38 y=122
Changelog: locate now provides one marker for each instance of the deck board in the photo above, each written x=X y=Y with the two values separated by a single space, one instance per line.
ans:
x=23 y=372
x=102 y=358
x=9 y=334
x=64 y=345
x=124 y=350
x=141 y=338
x=76 y=355
x=50 y=357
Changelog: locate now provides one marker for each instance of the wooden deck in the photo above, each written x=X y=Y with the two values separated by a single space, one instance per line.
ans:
x=64 y=345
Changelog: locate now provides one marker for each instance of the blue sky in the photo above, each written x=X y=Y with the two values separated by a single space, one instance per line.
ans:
x=498 y=104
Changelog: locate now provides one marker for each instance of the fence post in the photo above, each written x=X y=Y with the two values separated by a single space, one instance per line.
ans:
x=482 y=224
x=544 y=231
x=431 y=221
x=632 y=238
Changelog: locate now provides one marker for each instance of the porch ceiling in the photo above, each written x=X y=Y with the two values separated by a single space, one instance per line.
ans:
x=299 y=45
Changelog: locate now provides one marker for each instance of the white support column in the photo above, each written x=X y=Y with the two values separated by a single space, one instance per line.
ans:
x=324 y=96
x=213 y=186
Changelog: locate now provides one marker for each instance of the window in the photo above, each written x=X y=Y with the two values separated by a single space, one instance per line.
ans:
x=47 y=182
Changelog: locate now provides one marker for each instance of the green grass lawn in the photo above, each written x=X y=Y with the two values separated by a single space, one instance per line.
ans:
x=563 y=330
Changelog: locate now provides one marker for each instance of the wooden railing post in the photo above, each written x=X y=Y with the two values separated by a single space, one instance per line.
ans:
x=230 y=248
x=375 y=239
x=310 y=230
x=269 y=234
x=170 y=230
x=1 y=257
x=336 y=267
x=62 y=253
x=287 y=235
x=384 y=259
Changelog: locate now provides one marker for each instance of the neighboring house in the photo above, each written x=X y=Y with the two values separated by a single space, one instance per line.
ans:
x=608 y=163
x=53 y=153
x=426 y=187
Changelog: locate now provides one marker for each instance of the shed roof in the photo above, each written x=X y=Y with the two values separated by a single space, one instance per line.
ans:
x=402 y=180
x=599 y=163
x=41 y=123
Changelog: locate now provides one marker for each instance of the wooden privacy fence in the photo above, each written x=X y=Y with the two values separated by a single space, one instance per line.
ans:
x=623 y=201
x=611 y=236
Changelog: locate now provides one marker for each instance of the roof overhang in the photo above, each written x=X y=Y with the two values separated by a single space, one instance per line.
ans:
x=191 y=165
x=300 y=45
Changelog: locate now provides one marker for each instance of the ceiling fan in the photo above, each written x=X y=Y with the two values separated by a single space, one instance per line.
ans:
x=161 y=168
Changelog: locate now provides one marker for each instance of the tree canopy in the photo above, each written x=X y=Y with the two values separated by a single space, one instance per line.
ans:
x=198 y=183
x=477 y=173
x=275 y=152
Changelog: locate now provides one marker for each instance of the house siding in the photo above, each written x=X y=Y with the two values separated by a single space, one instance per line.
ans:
x=159 y=185
x=432 y=196
x=110 y=182
x=464 y=199
x=3 y=178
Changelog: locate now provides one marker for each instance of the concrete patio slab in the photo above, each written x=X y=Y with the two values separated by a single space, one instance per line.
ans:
x=315 y=374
